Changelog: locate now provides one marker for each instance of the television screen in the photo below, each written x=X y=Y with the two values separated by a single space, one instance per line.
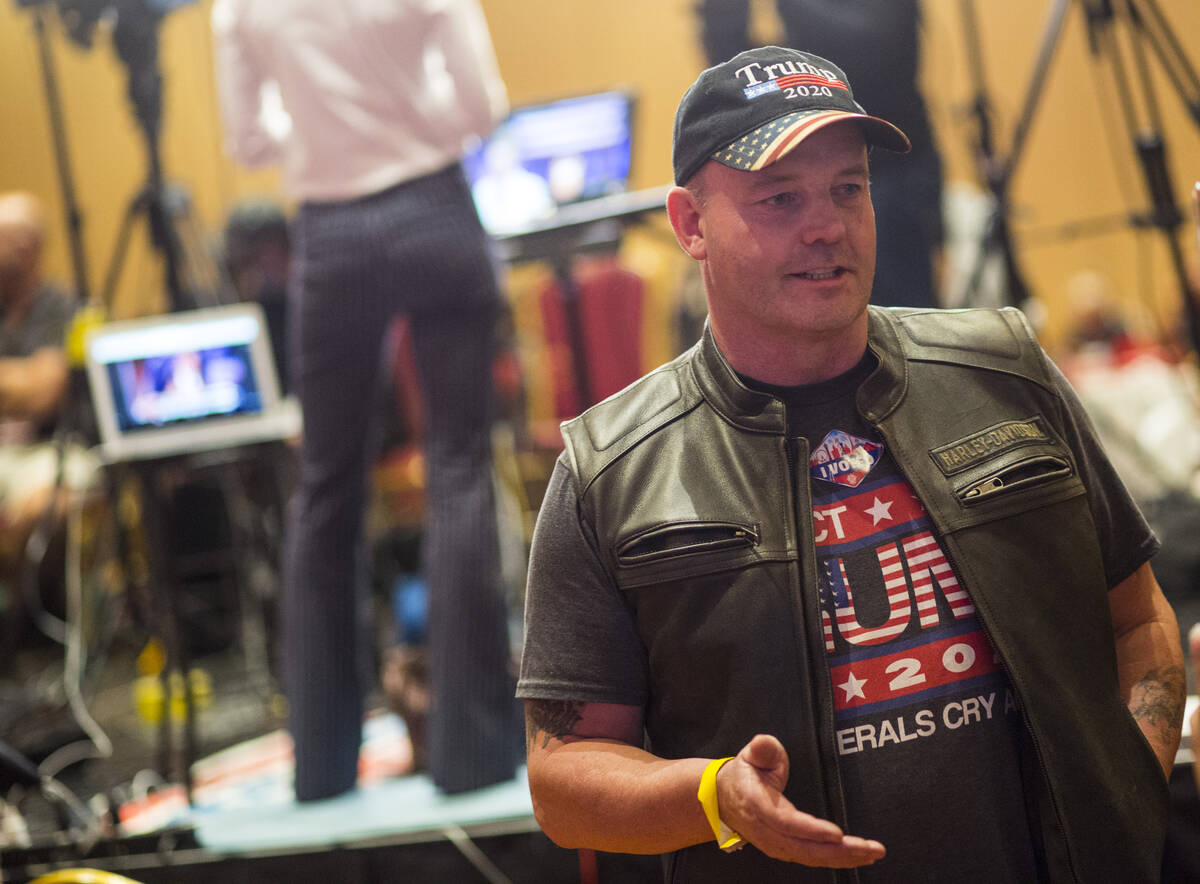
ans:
x=169 y=375
x=187 y=386
x=550 y=155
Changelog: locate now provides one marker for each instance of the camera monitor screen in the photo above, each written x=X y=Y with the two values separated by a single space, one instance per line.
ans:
x=185 y=382
x=181 y=385
x=546 y=156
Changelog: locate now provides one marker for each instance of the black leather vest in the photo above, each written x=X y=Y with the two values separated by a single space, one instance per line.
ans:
x=690 y=481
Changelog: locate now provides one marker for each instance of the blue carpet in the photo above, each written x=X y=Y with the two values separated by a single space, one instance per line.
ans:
x=388 y=808
x=242 y=798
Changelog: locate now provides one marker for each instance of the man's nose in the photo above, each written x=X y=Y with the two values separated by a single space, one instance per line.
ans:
x=821 y=221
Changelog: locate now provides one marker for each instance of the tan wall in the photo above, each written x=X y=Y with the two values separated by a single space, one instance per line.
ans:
x=1077 y=164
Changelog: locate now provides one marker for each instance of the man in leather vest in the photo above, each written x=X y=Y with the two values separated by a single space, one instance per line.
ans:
x=853 y=588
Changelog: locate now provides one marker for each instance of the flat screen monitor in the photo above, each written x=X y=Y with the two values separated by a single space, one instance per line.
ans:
x=185 y=382
x=546 y=156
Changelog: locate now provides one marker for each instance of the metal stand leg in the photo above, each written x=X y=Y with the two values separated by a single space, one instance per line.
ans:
x=175 y=760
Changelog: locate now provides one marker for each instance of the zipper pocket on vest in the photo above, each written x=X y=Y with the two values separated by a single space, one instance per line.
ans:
x=1027 y=473
x=685 y=539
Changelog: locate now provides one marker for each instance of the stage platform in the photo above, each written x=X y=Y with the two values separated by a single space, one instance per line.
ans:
x=492 y=853
x=243 y=824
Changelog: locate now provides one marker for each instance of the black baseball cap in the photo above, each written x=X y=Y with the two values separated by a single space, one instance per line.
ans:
x=753 y=109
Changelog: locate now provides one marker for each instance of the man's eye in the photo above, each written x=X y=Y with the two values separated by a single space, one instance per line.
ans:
x=780 y=200
x=848 y=190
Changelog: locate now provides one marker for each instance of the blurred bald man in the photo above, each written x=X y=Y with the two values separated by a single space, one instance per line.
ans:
x=33 y=379
x=33 y=367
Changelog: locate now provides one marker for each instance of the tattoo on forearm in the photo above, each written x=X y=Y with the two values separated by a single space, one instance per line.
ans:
x=1158 y=700
x=555 y=719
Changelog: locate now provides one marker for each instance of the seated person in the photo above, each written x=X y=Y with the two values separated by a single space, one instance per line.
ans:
x=33 y=382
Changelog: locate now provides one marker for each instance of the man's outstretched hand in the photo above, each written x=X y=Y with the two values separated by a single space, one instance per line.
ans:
x=751 y=802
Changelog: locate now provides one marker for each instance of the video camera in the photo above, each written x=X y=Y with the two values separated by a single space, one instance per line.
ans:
x=135 y=38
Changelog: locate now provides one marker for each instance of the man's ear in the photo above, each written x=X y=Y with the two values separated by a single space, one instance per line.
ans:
x=684 y=211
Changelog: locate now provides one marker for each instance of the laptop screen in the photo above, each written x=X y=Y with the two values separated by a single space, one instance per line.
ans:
x=550 y=155
x=173 y=375
x=187 y=381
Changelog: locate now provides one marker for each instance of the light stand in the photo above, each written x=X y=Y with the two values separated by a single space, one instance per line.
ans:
x=135 y=39
x=66 y=179
x=997 y=171
x=1147 y=30
x=69 y=416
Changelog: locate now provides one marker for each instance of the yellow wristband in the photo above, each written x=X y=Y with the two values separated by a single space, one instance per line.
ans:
x=727 y=839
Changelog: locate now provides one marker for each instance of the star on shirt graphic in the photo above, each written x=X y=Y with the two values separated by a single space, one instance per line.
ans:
x=853 y=687
x=880 y=511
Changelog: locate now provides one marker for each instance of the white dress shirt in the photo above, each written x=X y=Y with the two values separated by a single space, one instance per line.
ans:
x=377 y=91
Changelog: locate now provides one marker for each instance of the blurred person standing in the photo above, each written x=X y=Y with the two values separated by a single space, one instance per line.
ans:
x=382 y=97
x=878 y=43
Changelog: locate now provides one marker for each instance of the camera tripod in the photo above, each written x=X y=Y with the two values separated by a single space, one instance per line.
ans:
x=135 y=40
x=1148 y=32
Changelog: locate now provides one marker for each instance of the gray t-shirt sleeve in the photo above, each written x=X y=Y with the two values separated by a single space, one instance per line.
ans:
x=581 y=641
x=45 y=326
x=1126 y=539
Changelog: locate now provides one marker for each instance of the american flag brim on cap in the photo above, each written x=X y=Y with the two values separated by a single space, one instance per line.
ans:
x=771 y=141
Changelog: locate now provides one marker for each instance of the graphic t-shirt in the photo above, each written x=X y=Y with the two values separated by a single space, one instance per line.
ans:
x=927 y=727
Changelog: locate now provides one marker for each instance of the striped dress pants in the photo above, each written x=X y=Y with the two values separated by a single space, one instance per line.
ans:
x=416 y=249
